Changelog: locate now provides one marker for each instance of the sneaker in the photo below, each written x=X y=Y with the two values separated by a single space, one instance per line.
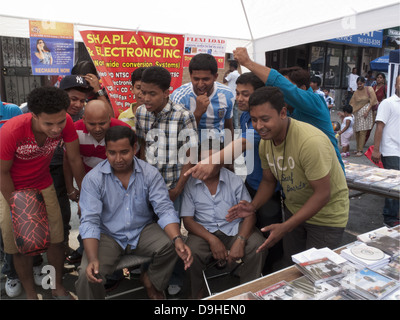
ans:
x=74 y=257
x=173 y=289
x=13 y=287
x=38 y=275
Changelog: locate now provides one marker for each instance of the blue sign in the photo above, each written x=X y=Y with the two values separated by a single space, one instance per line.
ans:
x=369 y=39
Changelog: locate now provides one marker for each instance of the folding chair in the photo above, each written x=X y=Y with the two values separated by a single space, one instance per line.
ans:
x=129 y=261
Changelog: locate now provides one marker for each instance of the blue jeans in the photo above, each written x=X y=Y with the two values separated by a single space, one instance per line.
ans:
x=391 y=208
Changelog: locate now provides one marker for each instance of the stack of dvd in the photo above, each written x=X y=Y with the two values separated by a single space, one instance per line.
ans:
x=363 y=255
x=320 y=270
x=370 y=284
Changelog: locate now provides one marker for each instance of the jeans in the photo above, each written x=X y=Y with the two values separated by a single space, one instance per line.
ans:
x=391 y=208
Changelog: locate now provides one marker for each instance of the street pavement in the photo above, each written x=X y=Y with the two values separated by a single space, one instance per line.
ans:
x=365 y=215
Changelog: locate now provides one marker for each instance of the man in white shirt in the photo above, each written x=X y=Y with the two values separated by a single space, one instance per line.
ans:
x=387 y=146
x=352 y=84
x=230 y=78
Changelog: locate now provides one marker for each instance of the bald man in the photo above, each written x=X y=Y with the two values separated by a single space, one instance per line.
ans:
x=91 y=130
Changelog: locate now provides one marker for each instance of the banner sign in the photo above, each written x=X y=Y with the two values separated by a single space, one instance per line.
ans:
x=52 y=47
x=202 y=44
x=116 y=54
x=369 y=39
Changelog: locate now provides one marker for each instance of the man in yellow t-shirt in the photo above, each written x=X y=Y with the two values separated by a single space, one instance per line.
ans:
x=302 y=159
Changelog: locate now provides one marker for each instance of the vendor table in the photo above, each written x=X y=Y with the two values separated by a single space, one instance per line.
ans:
x=374 y=180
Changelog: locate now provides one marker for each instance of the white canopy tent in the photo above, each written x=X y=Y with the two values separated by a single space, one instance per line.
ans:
x=257 y=24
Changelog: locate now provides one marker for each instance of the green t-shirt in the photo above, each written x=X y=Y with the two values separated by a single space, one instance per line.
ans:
x=309 y=156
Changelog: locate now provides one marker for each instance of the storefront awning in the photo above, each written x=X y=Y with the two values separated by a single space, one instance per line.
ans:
x=380 y=64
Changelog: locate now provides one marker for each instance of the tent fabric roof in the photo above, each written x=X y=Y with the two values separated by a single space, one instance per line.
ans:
x=269 y=25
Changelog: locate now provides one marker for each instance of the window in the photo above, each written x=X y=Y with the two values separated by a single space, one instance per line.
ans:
x=317 y=62
x=333 y=66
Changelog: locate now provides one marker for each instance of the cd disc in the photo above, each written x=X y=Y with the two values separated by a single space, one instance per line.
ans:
x=367 y=253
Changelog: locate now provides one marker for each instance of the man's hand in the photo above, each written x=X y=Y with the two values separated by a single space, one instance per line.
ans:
x=376 y=155
x=92 y=272
x=237 y=251
x=203 y=169
x=276 y=233
x=241 y=210
x=218 y=249
x=93 y=81
x=184 y=253
x=202 y=103
x=241 y=56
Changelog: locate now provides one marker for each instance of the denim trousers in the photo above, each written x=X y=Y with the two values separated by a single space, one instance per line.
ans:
x=391 y=208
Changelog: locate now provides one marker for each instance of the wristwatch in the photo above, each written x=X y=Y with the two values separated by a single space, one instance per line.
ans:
x=176 y=238
x=241 y=238
x=100 y=93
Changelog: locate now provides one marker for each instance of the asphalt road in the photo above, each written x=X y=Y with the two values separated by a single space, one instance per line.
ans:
x=365 y=215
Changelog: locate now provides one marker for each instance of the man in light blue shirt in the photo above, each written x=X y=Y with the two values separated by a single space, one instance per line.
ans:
x=117 y=200
x=204 y=207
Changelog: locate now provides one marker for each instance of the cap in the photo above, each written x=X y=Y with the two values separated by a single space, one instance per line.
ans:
x=74 y=81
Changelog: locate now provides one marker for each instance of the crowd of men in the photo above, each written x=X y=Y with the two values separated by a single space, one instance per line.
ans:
x=166 y=163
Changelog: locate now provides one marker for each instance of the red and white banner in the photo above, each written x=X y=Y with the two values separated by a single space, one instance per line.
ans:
x=117 y=53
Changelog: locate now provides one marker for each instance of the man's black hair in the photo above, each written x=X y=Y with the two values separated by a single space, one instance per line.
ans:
x=137 y=75
x=48 y=100
x=250 y=78
x=203 y=62
x=297 y=75
x=116 y=133
x=273 y=95
x=158 y=76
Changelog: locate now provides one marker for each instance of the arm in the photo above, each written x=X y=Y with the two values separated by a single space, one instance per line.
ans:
x=319 y=198
x=95 y=84
x=91 y=249
x=242 y=57
x=175 y=192
x=264 y=193
x=172 y=230
x=245 y=230
x=6 y=182
x=75 y=161
x=142 y=150
x=72 y=193
x=376 y=154
x=224 y=80
x=206 y=167
x=345 y=128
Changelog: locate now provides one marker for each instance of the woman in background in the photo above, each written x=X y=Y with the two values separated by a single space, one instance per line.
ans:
x=362 y=101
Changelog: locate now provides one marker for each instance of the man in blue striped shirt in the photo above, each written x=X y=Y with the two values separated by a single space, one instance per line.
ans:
x=210 y=101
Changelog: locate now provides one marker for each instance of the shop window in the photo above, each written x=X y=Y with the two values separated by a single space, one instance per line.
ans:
x=317 y=62
x=350 y=61
x=333 y=67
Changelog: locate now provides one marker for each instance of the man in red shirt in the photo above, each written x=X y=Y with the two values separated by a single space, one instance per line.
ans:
x=28 y=142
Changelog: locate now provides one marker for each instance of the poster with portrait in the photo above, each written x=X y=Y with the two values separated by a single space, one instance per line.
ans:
x=116 y=54
x=51 y=47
